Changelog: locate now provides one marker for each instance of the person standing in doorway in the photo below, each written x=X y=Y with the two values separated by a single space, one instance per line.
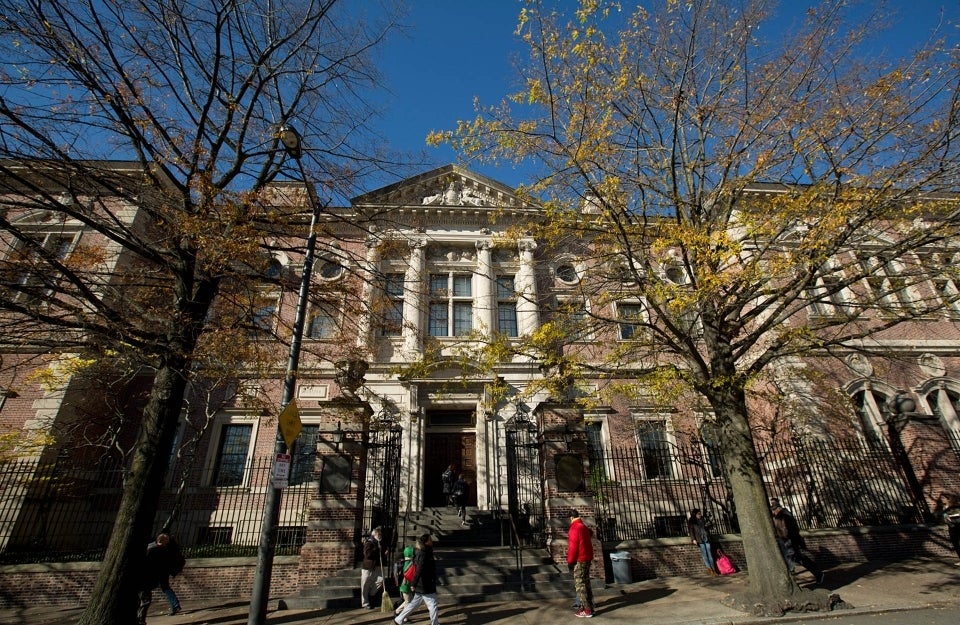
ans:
x=448 y=478
x=460 y=497
x=424 y=583
x=698 y=528
x=579 y=557
x=370 y=569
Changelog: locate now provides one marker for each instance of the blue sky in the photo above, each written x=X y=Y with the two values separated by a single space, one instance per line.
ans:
x=454 y=50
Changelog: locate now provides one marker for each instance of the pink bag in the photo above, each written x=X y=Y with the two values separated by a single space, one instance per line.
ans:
x=724 y=565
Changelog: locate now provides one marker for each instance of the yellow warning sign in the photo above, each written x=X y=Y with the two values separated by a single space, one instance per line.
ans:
x=290 y=424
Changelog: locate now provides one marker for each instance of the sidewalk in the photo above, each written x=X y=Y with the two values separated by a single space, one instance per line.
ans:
x=867 y=587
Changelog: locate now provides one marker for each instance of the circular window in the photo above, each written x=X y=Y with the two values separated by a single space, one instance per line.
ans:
x=567 y=273
x=331 y=270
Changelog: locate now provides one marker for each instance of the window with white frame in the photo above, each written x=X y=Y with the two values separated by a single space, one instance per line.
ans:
x=506 y=306
x=656 y=445
x=451 y=304
x=392 y=324
x=945 y=404
x=263 y=316
x=870 y=405
x=710 y=440
x=304 y=456
x=324 y=322
x=888 y=285
x=630 y=316
x=941 y=269
x=827 y=296
x=32 y=261
x=232 y=450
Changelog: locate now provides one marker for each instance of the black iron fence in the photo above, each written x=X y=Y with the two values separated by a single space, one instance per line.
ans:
x=647 y=492
x=58 y=512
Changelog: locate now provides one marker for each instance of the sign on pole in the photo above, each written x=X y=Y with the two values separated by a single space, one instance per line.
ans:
x=281 y=471
x=290 y=424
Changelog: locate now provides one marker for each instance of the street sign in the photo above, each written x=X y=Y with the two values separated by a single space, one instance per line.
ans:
x=281 y=471
x=290 y=424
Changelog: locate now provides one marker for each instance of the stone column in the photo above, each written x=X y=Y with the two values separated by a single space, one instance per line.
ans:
x=485 y=304
x=413 y=304
x=368 y=293
x=528 y=315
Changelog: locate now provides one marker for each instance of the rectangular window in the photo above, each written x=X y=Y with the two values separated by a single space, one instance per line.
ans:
x=451 y=304
x=323 y=324
x=264 y=315
x=304 y=455
x=655 y=451
x=393 y=305
x=36 y=278
x=887 y=285
x=628 y=315
x=506 y=306
x=215 y=535
x=710 y=437
x=231 y=458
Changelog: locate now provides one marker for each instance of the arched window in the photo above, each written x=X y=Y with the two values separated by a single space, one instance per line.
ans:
x=945 y=403
x=870 y=408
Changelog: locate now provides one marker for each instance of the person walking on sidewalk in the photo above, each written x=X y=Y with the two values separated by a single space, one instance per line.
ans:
x=792 y=543
x=371 y=576
x=951 y=516
x=579 y=557
x=163 y=559
x=404 y=585
x=424 y=583
x=698 y=528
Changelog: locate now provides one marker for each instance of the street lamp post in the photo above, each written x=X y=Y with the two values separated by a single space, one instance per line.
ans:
x=268 y=529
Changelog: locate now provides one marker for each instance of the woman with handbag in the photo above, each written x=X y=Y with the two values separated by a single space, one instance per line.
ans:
x=697 y=527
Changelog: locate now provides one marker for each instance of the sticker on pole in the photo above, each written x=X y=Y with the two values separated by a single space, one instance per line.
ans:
x=281 y=471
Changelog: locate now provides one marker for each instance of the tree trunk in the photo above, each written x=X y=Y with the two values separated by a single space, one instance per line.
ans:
x=113 y=600
x=773 y=589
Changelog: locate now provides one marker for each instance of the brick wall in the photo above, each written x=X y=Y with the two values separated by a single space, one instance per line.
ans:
x=69 y=584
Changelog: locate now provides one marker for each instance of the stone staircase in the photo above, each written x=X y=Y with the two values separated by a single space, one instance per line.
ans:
x=473 y=566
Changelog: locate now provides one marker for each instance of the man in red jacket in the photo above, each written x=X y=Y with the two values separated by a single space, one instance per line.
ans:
x=579 y=556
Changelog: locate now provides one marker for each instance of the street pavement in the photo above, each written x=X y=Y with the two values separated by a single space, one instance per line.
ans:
x=867 y=587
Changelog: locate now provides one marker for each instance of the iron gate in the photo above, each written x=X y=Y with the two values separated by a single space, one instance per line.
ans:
x=382 y=493
x=525 y=480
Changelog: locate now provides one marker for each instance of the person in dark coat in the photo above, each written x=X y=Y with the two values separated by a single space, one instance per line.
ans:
x=371 y=569
x=792 y=543
x=163 y=559
x=424 y=583
x=698 y=528
x=460 y=498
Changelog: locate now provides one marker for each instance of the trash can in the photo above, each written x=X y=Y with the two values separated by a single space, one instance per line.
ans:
x=620 y=560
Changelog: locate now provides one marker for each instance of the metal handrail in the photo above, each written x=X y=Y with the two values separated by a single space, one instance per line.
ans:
x=515 y=540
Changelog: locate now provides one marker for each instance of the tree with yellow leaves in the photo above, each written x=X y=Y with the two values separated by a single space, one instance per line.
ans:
x=736 y=201
x=102 y=254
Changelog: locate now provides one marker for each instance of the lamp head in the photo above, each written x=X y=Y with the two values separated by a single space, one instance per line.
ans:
x=290 y=139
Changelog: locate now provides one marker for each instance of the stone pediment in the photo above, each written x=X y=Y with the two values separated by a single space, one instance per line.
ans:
x=449 y=185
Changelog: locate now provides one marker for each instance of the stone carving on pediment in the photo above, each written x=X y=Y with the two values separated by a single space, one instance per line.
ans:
x=932 y=365
x=451 y=253
x=860 y=364
x=459 y=193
